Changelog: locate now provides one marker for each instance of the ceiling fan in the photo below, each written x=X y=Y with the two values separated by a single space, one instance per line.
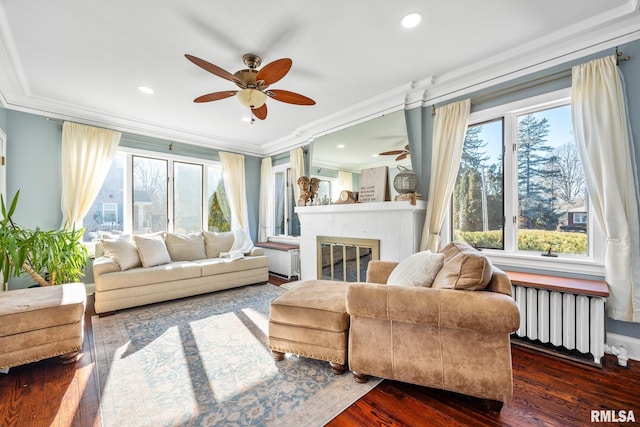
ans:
x=402 y=153
x=253 y=84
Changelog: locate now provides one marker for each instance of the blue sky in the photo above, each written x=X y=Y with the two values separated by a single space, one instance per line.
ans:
x=560 y=131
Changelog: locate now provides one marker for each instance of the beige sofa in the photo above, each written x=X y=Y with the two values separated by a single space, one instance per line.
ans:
x=154 y=268
x=453 y=335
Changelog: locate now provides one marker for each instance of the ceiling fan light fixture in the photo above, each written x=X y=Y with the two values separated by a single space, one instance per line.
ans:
x=145 y=89
x=252 y=98
x=411 y=20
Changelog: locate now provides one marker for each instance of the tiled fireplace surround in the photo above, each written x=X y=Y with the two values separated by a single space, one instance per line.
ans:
x=397 y=226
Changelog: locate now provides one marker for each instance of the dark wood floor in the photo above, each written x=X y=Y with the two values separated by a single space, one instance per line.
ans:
x=548 y=391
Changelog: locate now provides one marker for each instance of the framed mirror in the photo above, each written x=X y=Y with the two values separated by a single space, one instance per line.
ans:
x=340 y=156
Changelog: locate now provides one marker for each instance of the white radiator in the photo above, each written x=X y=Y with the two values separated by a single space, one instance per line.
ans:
x=285 y=263
x=567 y=322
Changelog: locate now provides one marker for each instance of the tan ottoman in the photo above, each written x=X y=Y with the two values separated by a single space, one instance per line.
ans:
x=38 y=323
x=311 y=320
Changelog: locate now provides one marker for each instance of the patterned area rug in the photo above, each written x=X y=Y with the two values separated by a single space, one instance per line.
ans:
x=205 y=361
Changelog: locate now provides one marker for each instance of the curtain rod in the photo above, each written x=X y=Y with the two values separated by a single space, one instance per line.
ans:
x=549 y=78
x=499 y=93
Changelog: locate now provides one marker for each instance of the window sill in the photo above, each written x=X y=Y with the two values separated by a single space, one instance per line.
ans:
x=554 y=266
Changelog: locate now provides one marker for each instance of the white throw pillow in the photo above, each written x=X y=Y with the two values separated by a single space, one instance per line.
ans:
x=419 y=269
x=152 y=250
x=185 y=247
x=122 y=251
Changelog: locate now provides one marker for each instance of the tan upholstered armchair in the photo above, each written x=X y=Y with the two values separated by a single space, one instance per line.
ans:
x=449 y=339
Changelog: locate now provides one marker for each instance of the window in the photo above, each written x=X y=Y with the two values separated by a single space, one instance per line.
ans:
x=110 y=214
x=219 y=212
x=286 y=222
x=187 y=197
x=149 y=192
x=520 y=190
x=478 y=198
x=100 y=219
x=150 y=195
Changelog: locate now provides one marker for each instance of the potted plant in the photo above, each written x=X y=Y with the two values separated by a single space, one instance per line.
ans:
x=49 y=257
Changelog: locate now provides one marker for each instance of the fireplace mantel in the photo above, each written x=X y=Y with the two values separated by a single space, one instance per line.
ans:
x=397 y=225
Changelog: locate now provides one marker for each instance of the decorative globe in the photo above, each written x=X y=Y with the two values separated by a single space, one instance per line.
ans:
x=406 y=181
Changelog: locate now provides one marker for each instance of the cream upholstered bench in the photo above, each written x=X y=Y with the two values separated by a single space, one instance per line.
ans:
x=311 y=320
x=39 y=323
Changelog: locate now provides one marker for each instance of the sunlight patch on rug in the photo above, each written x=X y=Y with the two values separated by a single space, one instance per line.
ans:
x=206 y=361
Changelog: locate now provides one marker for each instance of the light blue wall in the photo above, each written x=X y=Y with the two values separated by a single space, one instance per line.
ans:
x=33 y=167
x=252 y=166
x=3 y=119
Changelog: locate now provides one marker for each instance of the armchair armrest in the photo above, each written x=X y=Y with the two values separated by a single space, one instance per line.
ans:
x=379 y=271
x=444 y=308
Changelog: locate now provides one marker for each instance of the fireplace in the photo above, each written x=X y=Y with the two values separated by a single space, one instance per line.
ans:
x=397 y=226
x=345 y=259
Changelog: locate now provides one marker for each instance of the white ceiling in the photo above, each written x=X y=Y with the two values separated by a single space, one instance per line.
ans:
x=83 y=60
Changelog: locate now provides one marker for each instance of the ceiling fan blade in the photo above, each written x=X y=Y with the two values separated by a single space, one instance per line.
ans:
x=289 y=97
x=402 y=156
x=274 y=71
x=391 y=153
x=215 y=96
x=260 y=112
x=213 y=69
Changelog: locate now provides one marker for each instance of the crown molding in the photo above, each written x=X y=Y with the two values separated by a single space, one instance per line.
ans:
x=94 y=117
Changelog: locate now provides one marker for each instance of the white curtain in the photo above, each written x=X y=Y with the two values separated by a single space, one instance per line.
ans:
x=603 y=138
x=266 y=200
x=345 y=181
x=87 y=153
x=297 y=170
x=449 y=129
x=235 y=188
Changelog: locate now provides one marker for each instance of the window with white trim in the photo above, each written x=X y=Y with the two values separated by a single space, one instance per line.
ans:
x=286 y=221
x=520 y=194
x=146 y=192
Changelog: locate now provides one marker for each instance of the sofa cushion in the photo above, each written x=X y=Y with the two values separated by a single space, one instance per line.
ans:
x=215 y=243
x=213 y=266
x=419 y=269
x=464 y=268
x=122 y=251
x=152 y=250
x=185 y=247
x=171 y=272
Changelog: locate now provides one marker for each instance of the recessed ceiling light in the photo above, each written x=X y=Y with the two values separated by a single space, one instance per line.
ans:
x=411 y=20
x=145 y=89
x=247 y=119
x=340 y=145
